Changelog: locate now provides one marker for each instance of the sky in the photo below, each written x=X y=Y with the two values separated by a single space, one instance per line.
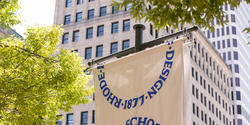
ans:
x=35 y=12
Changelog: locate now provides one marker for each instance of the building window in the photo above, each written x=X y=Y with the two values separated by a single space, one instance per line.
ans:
x=218 y=44
x=193 y=108
x=151 y=29
x=91 y=13
x=103 y=11
x=228 y=31
x=239 y=121
x=76 y=36
x=228 y=43
x=78 y=16
x=222 y=31
x=218 y=32
x=79 y=2
x=208 y=34
x=213 y=34
x=93 y=116
x=84 y=118
x=114 y=27
x=236 y=55
x=128 y=6
x=100 y=30
x=67 y=19
x=70 y=119
x=229 y=55
x=65 y=38
x=156 y=34
x=232 y=18
x=238 y=95
x=91 y=0
x=234 y=42
x=237 y=81
x=68 y=3
x=125 y=44
x=226 y=7
x=126 y=25
x=89 y=33
x=88 y=53
x=238 y=109
x=223 y=44
x=99 y=51
x=236 y=68
x=114 y=48
x=224 y=56
x=234 y=30
x=114 y=9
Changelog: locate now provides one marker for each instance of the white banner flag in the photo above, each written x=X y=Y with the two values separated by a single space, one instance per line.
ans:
x=146 y=88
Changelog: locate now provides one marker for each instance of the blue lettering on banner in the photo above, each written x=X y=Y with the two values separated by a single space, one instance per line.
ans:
x=141 y=121
x=127 y=104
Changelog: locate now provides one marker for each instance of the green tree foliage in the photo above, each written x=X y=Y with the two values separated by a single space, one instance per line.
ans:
x=37 y=79
x=175 y=12
x=8 y=13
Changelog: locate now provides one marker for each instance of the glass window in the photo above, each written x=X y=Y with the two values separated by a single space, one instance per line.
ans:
x=226 y=7
x=156 y=34
x=89 y=33
x=222 y=31
x=218 y=44
x=114 y=27
x=99 y=51
x=208 y=34
x=100 y=30
x=126 y=25
x=234 y=42
x=67 y=19
x=76 y=36
x=114 y=9
x=236 y=55
x=84 y=117
x=223 y=44
x=125 y=44
x=234 y=30
x=228 y=43
x=93 y=116
x=70 y=119
x=226 y=18
x=65 y=38
x=224 y=56
x=91 y=13
x=68 y=3
x=238 y=95
x=239 y=121
x=228 y=31
x=114 y=48
x=237 y=81
x=213 y=34
x=88 y=53
x=231 y=7
x=236 y=68
x=232 y=18
x=79 y=2
x=238 y=109
x=193 y=108
x=229 y=55
x=91 y=0
x=78 y=16
x=103 y=11
x=128 y=6
x=151 y=29
x=218 y=32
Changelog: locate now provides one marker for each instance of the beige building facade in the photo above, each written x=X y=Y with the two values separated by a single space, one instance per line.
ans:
x=94 y=29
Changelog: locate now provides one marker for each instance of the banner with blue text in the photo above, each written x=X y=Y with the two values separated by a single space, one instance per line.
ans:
x=146 y=88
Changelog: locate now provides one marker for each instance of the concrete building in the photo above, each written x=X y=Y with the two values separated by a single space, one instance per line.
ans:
x=231 y=43
x=94 y=29
x=7 y=32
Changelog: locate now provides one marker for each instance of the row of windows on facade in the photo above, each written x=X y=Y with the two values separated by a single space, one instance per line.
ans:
x=210 y=91
x=84 y=118
x=222 y=31
x=233 y=20
x=225 y=44
x=204 y=117
x=201 y=54
x=91 y=14
x=100 y=31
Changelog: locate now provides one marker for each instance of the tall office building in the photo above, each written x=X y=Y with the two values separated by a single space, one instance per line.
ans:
x=231 y=43
x=95 y=29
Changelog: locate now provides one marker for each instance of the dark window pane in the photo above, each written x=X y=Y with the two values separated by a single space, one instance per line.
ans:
x=218 y=44
x=93 y=116
x=234 y=42
x=238 y=109
x=78 y=16
x=222 y=31
x=100 y=30
x=114 y=48
x=228 y=43
x=238 y=95
x=237 y=81
x=88 y=53
x=229 y=55
x=218 y=32
x=91 y=0
x=65 y=38
x=75 y=36
x=79 y=2
x=68 y=3
x=84 y=117
x=236 y=68
x=66 y=19
x=125 y=44
x=114 y=9
x=114 y=28
x=225 y=6
x=89 y=33
x=234 y=30
x=91 y=14
x=70 y=119
x=232 y=18
x=126 y=25
x=103 y=11
x=208 y=34
x=99 y=51
x=151 y=29
x=223 y=44
x=228 y=31
x=128 y=6
x=236 y=55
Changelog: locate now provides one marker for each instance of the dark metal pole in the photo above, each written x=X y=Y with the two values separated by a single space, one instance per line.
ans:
x=138 y=36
